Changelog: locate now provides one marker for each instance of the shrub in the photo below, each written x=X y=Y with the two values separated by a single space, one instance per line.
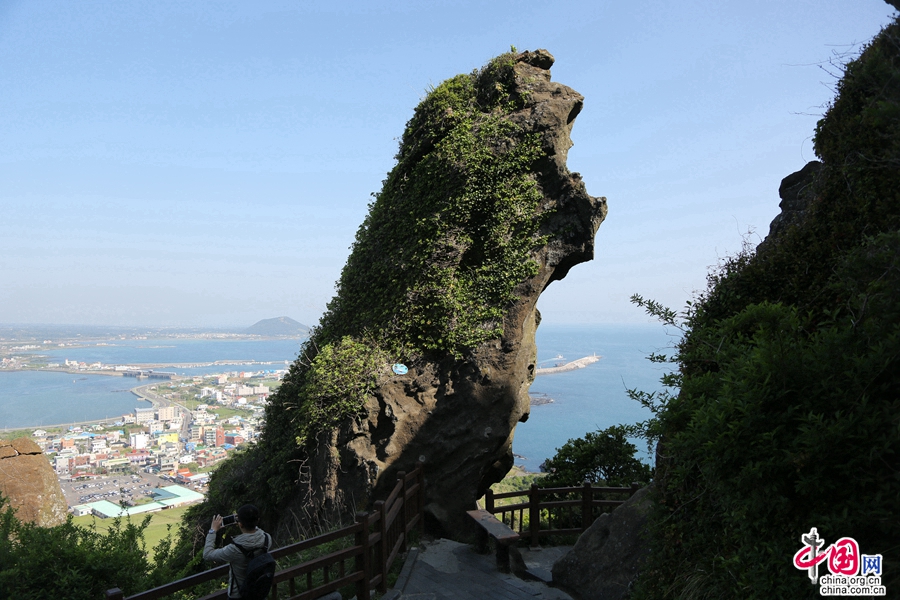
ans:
x=68 y=561
x=599 y=457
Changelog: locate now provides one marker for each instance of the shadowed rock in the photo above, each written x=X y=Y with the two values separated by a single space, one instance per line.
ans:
x=796 y=192
x=608 y=556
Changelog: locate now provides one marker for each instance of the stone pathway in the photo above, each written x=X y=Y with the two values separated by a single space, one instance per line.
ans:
x=445 y=570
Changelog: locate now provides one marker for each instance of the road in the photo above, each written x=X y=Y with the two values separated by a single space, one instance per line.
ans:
x=157 y=401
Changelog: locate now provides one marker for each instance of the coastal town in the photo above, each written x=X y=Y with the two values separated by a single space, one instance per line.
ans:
x=162 y=455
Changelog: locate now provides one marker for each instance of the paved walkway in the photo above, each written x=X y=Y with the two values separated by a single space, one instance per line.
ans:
x=447 y=570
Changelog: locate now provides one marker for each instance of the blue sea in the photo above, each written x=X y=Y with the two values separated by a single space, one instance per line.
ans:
x=594 y=397
x=583 y=400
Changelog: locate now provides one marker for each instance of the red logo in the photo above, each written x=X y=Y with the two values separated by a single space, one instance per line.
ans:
x=842 y=556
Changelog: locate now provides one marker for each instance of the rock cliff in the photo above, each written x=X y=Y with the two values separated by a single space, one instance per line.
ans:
x=609 y=555
x=29 y=483
x=796 y=192
x=458 y=415
x=477 y=218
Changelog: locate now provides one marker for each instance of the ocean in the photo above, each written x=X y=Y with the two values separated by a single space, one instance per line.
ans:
x=594 y=397
x=583 y=400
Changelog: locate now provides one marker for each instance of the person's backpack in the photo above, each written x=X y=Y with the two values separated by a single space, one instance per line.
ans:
x=260 y=571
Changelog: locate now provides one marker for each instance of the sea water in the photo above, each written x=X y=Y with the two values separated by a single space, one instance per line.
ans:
x=587 y=399
x=35 y=398
x=594 y=397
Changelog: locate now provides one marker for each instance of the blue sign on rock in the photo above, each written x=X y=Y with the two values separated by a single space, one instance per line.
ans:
x=400 y=369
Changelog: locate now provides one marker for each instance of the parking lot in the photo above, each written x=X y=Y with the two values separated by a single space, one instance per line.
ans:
x=114 y=488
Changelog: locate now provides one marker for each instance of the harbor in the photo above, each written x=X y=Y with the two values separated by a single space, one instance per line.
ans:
x=570 y=366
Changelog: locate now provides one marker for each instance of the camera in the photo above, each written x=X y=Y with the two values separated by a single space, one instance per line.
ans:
x=229 y=520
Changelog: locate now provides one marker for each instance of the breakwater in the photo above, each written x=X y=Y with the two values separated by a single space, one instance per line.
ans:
x=570 y=366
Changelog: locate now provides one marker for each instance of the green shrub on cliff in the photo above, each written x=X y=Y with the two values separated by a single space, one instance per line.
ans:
x=788 y=416
x=72 y=562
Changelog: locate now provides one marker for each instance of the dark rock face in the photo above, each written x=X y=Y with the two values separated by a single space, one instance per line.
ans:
x=458 y=415
x=29 y=483
x=608 y=556
x=796 y=192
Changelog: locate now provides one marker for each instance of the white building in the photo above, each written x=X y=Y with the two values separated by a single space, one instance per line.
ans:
x=139 y=441
x=144 y=415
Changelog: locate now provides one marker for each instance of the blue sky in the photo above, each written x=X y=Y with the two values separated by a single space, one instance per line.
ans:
x=208 y=163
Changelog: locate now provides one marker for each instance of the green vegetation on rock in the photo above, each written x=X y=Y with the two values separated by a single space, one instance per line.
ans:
x=432 y=272
x=437 y=260
x=450 y=235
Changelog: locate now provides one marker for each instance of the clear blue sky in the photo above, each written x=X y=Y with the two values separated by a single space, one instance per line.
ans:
x=208 y=163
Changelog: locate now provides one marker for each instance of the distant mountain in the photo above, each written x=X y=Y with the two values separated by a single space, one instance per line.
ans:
x=279 y=326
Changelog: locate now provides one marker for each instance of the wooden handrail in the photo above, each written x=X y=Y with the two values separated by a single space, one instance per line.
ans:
x=392 y=520
x=587 y=500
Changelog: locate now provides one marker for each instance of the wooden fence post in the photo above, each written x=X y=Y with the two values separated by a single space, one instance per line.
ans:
x=115 y=594
x=534 y=515
x=401 y=476
x=587 y=506
x=635 y=486
x=489 y=500
x=363 y=560
x=382 y=546
x=420 y=467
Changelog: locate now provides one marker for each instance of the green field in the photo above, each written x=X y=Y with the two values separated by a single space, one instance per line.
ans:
x=156 y=531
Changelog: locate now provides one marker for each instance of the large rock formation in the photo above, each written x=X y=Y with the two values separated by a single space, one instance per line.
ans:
x=459 y=416
x=609 y=555
x=478 y=217
x=796 y=192
x=29 y=483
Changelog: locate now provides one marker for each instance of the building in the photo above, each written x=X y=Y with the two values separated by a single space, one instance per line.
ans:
x=166 y=413
x=209 y=457
x=115 y=464
x=144 y=415
x=166 y=463
x=139 y=441
x=213 y=436
x=166 y=436
x=138 y=458
x=61 y=465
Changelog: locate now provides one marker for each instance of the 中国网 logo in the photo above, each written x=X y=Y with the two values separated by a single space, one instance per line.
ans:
x=851 y=573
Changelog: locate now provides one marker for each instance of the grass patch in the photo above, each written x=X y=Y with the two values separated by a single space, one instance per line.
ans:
x=155 y=532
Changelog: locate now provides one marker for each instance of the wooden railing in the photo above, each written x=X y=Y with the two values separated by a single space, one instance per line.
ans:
x=378 y=538
x=541 y=517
